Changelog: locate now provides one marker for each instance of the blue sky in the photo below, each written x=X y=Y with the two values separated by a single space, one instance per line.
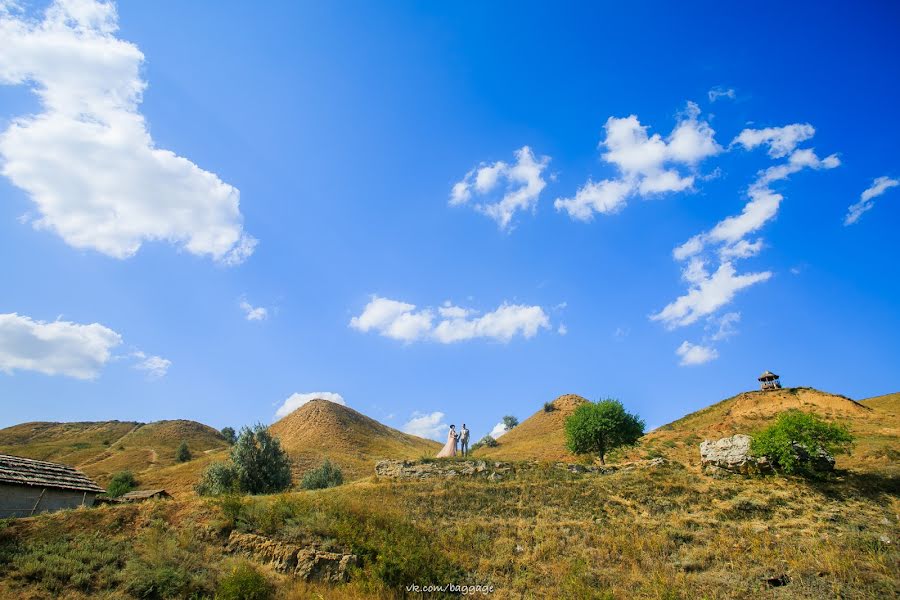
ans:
x=391 y=191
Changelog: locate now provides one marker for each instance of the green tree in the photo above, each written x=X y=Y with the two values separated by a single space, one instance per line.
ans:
x=486 y=441
x=121 y=483
x=600 y=427
x=260 y=464
x=509 y=422
x=229 y=434
x=795 y=429
x=184 y=453
x=217 y=479
x=326 y=476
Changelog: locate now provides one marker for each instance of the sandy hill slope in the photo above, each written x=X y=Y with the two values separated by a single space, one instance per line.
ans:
x=539 y=437
x=875 y=424
x=321 y=429
x=103 y=448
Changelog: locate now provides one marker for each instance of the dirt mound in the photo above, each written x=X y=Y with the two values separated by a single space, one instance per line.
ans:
x=321 y=429
x=539 y=437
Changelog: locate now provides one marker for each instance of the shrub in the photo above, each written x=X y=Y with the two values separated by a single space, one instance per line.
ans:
x=244 y=582
x=261 y=466
x=88 y=563
x=168 y=564
x=184 y=453
x=601 y=427
x=549 y=407
x=487 y=441
x=509 y=422
x=794 y=428
x=217 y=479
x=121 y=483
x=229 y=435
x=326 y=476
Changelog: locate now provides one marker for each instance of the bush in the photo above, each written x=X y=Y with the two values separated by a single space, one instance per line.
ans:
x=601 y=427
x=217 y=479
x=509 y=422
x=794 y=429
x=88 y=563
x=549 y=407
x=244 y=582
x=261 y=466
x=184 y=453
x=168 y=564
x=486 y=441
x=326 y=476
x=229 y=435
x=121 y=483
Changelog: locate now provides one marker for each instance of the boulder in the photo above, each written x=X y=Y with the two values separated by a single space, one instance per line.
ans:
x=309 y=564
x=820 y=461
x=731 y=454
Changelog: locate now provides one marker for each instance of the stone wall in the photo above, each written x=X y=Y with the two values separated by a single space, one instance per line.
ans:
x=493 y=470
x=308 y=564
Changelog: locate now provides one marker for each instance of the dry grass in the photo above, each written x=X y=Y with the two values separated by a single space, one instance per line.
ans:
x=353 y=441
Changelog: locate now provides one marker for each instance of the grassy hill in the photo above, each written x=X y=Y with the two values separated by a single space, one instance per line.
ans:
x=539 y=437
x=103 y=448
x=320 y=429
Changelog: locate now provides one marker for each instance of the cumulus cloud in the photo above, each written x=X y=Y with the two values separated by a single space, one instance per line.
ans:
x=647 y=164
x=498 y=430
x=780 y=140
x=718 y=93
x=707 y=294
x=695 y=354
x=54 y=348
x=450 y=323
x=87 y=160
x=867 y=198
x=155 y=366
x=296 y=400
x=504 y=188
x=253 y=313
x=427 y=425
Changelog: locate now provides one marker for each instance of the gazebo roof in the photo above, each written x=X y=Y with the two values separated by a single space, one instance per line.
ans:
x=767 y=375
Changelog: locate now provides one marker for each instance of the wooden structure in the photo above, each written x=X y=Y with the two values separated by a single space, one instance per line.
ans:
x=141 y=495
x=29 y=487
x=769 y=381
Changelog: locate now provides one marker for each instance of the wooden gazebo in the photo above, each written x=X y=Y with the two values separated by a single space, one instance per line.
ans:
x=769 y=381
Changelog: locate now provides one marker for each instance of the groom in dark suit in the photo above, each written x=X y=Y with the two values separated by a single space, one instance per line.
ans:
x=464 y=440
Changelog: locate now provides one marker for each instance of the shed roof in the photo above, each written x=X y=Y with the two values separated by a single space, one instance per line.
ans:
x=767 y=375
x=144 y=495
x=38 y=473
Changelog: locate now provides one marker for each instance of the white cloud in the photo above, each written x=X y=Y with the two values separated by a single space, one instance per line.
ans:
x=522 y=186
x=402 y=321
x=647 y=164
x=155 y=366
x=253 y=313
x=725 y=326
x=780 y=140
x=427 y=425
x=719 y=92
x=87 y=160
x=741 y=249
x=695 y=354
x=297 y=400
x=707 y=294
x=562 y=329
x=866 y=199
x=498 y=430
x=57 y=348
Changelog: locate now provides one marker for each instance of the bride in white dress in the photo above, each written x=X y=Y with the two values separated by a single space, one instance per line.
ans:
x=449 y=448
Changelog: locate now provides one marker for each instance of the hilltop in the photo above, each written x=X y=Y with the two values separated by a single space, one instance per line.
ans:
x=539 y=437
x=106 y=447
x=321 y=429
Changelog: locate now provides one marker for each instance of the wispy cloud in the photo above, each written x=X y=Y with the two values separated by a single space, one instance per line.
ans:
x=867 y=198
x=253 y=313
x=717 y=93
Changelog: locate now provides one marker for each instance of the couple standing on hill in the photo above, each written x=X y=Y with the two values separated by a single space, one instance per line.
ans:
x=454 y=437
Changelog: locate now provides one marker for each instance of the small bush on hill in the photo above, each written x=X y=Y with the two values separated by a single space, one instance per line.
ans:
x=549 y=407
x=326 y=476
x=795 y=428
x=486 y=441
x=217 y=479
x=121 y=483
x=87 y=563
x=168 y=563
x=598 y=428
x=244 y=582
x=510 y=421
x=184 y=453
x=229 y=434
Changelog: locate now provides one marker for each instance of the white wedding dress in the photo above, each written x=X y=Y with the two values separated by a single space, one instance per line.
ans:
x=449 y=448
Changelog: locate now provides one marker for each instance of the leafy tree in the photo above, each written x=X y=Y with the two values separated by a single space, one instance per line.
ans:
x=261 y=466
x=599 y=427
x=795 y=429
x=121 y=483
x=509 y=422
x=326 y=476
x=487 y=440
x=229 y=434
x=184 y=453
x=217 y=479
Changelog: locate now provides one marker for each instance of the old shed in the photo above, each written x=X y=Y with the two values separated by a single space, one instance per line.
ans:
x=29 y=487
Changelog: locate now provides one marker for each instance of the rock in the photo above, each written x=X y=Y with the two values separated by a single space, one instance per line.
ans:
x=731 y=454
x=308 y=564
x=820 y=461
x=410 y=469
